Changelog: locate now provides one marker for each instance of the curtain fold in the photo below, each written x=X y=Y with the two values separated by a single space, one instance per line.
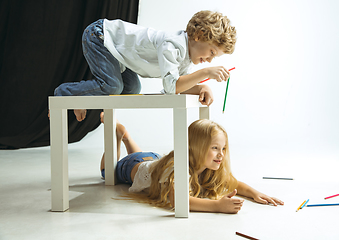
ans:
x=40 y=49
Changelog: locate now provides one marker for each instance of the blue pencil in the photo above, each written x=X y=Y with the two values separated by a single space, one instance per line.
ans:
x=305 y=204
x=320 y=205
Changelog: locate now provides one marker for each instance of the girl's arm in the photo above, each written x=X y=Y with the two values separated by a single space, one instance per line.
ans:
x=227 y=204
x=247 y=191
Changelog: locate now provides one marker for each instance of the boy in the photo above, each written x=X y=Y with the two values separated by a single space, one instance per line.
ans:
x=117 y=52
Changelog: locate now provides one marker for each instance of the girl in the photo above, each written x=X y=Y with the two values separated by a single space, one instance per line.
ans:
x=212 y=184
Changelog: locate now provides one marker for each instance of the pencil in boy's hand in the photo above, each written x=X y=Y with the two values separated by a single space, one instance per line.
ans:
x=209 y=79
x=204 y=80
x=223 y=109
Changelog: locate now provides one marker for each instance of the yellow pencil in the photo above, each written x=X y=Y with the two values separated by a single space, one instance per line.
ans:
x=126 y=94
x=300 y=206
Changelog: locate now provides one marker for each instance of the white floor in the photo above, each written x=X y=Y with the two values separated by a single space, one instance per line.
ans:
x=25 y=199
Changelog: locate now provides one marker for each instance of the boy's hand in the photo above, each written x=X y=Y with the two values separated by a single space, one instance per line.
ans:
x=218 y=73
x=205 y=95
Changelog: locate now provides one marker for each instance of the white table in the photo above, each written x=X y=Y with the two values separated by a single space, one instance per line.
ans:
x=59 y=139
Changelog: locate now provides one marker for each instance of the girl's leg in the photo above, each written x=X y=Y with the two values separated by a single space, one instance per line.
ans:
x=124 y=136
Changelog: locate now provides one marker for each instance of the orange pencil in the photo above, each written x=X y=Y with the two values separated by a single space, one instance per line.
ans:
x=300 y=206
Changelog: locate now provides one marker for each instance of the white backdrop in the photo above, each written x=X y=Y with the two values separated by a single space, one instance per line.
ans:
x=282 y=101
x=284 y=89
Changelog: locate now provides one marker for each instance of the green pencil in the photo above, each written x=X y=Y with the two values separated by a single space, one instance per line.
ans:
x=228 y=81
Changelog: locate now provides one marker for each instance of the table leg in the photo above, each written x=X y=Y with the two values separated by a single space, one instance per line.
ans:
x=204 y=113
x=181 y=170
x=110 y=146
x=59 y=160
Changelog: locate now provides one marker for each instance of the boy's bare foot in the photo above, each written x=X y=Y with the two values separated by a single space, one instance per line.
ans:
x=80 y=114
x=102 y=117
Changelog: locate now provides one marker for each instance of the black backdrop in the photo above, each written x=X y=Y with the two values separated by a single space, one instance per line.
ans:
x=40 y=48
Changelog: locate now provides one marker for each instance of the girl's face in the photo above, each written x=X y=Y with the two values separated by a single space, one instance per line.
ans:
x=215 y=153
x=201 y=52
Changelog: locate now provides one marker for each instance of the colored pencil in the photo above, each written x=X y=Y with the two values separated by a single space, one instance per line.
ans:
x=277 y=178
x=305 y=204
x=223 y=108
x=209 y=78
x=245 y=236
x=331 y=196
x=301 y=205
x=320 y=205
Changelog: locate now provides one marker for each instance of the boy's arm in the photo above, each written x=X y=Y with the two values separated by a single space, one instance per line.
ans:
x=204 y=92
x=247 y=191
x=186 y=82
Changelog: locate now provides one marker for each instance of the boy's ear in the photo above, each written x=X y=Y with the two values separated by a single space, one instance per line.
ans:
x=198 y=36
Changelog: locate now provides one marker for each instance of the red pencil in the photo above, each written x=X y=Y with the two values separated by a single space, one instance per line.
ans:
x=209 y=79
x=331 y=196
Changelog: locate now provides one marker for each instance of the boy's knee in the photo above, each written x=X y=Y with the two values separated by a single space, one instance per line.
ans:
x=113 y=90
x=61 y=91
x=134 y=89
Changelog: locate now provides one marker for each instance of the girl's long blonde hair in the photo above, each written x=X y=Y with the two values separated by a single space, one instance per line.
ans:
x=211 y=184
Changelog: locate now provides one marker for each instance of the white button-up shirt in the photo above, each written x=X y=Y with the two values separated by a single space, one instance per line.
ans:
x=148 y=52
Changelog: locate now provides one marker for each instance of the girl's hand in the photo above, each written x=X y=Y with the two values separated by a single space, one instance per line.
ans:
x=218 y=73
x=264 y=199
x=227 y=204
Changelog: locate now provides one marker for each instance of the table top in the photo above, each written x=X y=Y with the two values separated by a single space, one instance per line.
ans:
x=124 y=101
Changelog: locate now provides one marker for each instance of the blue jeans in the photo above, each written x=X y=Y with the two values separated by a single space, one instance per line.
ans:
x=108 y=78
x=125 y=165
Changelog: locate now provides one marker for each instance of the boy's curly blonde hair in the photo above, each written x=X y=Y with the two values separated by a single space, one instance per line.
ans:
x=212 y=27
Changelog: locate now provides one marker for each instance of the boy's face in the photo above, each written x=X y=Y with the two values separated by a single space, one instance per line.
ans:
x=200 y=52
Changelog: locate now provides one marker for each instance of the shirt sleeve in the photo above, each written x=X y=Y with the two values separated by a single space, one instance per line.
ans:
x=169 y=61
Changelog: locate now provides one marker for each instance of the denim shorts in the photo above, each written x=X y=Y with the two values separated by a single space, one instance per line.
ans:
x=125 y=165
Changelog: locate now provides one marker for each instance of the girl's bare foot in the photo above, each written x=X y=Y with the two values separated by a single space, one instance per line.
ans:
x=80 y=114
x=122 y=133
